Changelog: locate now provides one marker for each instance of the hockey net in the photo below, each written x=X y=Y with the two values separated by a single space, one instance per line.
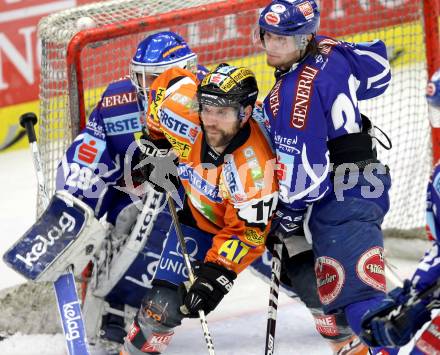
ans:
x=78 y=64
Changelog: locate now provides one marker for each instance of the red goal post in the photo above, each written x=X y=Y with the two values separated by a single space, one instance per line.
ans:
x=78 y=65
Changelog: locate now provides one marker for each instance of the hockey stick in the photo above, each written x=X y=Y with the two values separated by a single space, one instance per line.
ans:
x=273 y=296
x=65 y=290
x=191 y=276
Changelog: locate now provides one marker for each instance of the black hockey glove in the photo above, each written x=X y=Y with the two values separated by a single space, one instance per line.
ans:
x=158 y=164
x=213 y=281
x=286 y=223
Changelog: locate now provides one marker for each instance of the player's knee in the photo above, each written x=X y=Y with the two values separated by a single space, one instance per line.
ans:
x=332 y=327
x=161 y=308
x=335 y=329
x=152 y=328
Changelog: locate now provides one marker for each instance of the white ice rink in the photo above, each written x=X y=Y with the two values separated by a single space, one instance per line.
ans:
x=238 y=326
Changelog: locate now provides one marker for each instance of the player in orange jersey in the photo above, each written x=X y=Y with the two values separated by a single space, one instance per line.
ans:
x=226 y=167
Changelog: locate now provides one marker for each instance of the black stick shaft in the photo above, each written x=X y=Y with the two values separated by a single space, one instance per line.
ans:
x=273 y=297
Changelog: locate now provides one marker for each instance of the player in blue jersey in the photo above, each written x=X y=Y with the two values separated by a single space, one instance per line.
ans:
x=332 y=186
x=398 y=317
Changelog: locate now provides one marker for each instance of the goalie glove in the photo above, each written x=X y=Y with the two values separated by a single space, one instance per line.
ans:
x=396 y=319
x=212 y=283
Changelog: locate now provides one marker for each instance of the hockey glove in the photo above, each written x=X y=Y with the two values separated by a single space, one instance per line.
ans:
x=213 y=281
x=286 y=223
x=394 y=322
x=158 y=164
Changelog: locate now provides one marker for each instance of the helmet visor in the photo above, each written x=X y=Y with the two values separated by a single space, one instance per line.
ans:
x=279 y=44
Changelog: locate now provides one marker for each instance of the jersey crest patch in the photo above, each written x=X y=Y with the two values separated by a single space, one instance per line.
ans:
x=370 y=268
x=326 y=325
x=330 y=278
x=254 y=237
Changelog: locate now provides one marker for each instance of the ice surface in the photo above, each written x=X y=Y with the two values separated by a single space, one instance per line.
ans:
x=238 y=326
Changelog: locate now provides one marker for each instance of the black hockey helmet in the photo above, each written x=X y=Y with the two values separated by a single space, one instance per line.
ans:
x=228 y=85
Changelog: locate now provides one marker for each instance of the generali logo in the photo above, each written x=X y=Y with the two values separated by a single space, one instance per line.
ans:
x=301 y=102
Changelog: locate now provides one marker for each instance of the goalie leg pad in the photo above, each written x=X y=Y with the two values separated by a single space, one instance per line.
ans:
x=66 y=234
x=152 y=328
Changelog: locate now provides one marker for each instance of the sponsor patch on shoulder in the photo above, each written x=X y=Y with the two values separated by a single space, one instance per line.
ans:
x=89 y=151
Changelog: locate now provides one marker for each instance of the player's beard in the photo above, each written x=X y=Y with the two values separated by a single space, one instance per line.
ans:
x=217 y=137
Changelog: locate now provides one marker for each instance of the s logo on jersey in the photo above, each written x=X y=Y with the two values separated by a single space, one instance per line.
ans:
x=89 y=151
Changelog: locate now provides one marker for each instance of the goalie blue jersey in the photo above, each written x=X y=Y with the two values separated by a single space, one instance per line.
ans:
x=316 y=101
x=98 y=167
x=94 y=164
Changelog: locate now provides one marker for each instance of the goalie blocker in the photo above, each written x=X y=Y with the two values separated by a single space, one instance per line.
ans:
x=67 y=234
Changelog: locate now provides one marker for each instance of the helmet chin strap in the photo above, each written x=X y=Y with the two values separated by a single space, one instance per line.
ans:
x=241 y=114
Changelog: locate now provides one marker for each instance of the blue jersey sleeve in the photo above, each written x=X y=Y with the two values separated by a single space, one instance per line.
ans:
x=428 y=269
x=102 y=156
x=371 y=69
x=88 y=167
